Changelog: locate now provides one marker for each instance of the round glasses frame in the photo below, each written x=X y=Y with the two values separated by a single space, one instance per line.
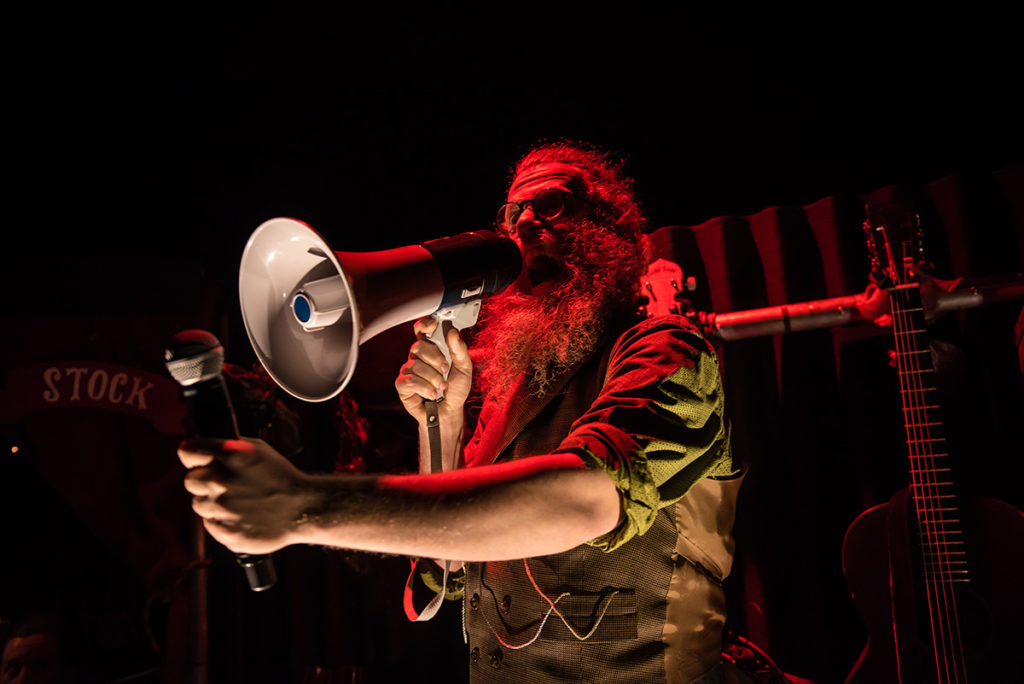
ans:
x=547 y=204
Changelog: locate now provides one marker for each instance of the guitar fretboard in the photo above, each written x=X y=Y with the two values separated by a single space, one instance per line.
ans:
x=940 y=530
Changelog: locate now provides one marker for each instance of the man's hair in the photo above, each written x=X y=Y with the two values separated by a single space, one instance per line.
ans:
x=603 y=258
x=608 y=186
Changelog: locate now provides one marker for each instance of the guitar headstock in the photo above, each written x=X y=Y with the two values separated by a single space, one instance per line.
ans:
x=664 y=287
x=895 y=244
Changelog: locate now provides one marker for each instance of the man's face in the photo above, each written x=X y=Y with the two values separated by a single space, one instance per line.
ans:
x=577 y=273
x=542 y=241
x=32 y=659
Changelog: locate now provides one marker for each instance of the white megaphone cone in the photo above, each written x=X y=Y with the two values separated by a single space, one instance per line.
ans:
x=307 y=308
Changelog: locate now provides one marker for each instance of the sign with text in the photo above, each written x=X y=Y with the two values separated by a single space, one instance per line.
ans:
x=93 y=385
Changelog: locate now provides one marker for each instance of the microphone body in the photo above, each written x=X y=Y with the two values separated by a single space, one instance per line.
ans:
x=195 y=358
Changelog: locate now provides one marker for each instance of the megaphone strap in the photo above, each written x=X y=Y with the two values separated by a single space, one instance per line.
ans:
x=430 y=610
x=433 y=435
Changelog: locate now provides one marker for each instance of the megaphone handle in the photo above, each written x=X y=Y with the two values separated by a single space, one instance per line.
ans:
x=459 y=316
x=439 y=337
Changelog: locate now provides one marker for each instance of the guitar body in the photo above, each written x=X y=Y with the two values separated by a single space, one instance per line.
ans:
x=880 y=560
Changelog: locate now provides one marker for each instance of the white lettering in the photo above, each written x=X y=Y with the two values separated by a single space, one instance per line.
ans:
x=140 y=393
x=77 y=372
x=96 y=389
x=51 y=375
x=115 y=395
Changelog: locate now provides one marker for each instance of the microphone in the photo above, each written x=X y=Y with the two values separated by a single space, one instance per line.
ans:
x=195 y=359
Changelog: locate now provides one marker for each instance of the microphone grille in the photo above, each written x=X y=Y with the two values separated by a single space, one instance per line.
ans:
x=194 y=356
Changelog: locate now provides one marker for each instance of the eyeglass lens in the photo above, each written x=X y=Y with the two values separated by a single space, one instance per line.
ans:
x=547 y=204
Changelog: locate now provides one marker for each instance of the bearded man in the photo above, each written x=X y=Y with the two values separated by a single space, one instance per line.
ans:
x=594 y=502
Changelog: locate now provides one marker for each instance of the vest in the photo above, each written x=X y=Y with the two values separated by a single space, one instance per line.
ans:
x=650 y=611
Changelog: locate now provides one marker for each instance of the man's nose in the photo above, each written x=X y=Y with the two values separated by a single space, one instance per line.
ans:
x=527 y=224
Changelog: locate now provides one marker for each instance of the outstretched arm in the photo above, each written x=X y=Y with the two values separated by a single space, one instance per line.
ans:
x=255 y=501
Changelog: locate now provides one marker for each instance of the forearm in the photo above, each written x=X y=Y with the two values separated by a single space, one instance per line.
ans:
x=533 y=507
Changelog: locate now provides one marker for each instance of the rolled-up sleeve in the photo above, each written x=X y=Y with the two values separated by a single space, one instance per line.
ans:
x=658 y=424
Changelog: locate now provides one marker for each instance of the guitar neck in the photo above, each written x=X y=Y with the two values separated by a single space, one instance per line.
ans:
x=938 y=517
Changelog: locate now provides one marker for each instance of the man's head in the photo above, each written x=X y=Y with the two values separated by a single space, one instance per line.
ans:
x=563 y=188
x=574 y=215
x=34 y=655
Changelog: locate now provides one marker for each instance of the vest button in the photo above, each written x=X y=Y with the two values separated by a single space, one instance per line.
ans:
x=496 y=659
x=474 y=601
x=506 y=604
x=475 y=654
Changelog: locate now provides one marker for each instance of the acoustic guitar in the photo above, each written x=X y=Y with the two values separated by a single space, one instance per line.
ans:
x=936 y=576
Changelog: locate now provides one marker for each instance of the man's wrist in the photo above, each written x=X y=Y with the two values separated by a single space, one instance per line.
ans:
x=331 y=501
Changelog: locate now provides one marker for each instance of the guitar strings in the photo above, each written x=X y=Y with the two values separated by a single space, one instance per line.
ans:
x=925 y=472
x=924 y=468
x=937 y=506
x=913 y=398
x=909 y=401
x=900 y=324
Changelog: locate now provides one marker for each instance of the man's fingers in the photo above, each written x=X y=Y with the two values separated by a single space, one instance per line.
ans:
x=238 y=453
x=201 y=451
x=459 y=350
x=414 y=384
x=205 y=481
x=427 y=352
x=424 y=326
x=213 y=509
x=427 y=373
x=226 y=533
x=237 y=539
x=192 y=455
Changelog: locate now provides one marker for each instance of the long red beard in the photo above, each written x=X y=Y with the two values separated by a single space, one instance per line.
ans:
x=542 y=337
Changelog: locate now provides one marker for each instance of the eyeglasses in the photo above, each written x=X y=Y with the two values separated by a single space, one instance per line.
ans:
x=547 y=204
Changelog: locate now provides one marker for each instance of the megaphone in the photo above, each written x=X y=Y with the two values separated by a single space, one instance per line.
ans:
x=307 y=308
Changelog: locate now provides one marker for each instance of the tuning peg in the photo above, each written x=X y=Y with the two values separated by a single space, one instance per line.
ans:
x=689 y=285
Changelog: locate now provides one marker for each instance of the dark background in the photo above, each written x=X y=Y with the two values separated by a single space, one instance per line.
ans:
x=382 y=127
x=143 y=148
